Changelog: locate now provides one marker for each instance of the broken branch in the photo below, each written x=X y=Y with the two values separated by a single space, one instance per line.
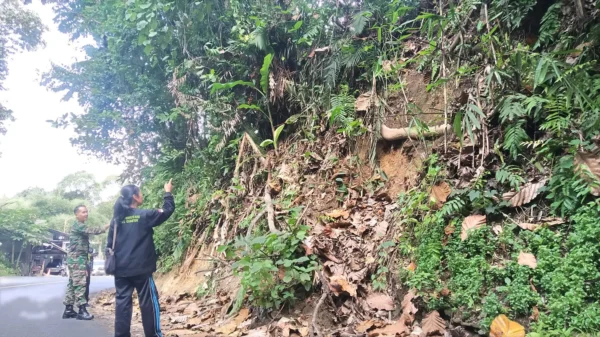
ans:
x=403 y=133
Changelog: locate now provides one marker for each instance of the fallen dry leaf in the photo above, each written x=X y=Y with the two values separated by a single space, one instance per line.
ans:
x=535 y=314
x=449 y=229
x=380 y=301
x=532 y=286
x=408 y=308
x=470 y=223
x=445 y=292
x=286 y=324
x=338 y=213
x=258 y=332
x=525 y=195
x=439 y=194
x=411 y=267
x=529 y=226
x=504 y=327
x=363 y=326
x=304 y=331
x=363 y=102
x=579 y=49
x=398 y=328
x=338 y=284
x=527 y=259
x=549 y=222
x=281 y=273
x=233 y=324
x=553 y=221
x=433 y=324
x=183 y=332
x=386 y=65
x=587 y=165
x=381 y=229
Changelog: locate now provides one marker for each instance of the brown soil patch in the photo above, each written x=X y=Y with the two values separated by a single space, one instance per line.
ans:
x=401 y=170
x=426 y=106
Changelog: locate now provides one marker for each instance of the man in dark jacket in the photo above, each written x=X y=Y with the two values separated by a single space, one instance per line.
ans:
x=136 y=257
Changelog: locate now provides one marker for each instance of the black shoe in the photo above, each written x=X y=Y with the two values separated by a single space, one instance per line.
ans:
x=84 y=314
x=69 y=312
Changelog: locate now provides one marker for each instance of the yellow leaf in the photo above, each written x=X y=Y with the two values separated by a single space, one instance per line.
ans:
x=504 y=327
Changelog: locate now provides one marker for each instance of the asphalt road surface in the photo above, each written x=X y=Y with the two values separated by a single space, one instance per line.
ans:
x=32 y=307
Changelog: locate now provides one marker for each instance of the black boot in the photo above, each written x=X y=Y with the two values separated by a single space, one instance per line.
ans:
x=83 y=314
x=69 y=312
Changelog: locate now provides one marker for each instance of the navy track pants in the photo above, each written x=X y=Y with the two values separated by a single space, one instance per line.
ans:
x=149 y=306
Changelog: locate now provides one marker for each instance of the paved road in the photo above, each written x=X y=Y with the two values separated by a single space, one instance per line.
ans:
x=32 y=307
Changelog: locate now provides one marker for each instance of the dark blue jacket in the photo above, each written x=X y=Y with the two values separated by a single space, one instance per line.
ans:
x=134 y=249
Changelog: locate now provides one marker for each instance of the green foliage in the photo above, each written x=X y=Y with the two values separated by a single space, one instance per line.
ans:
x=550 y=25
x=5 y=267
x=273 y=267
x=173 y=85
x=511 y=12
x=342 y=114
x=20 y=30
x=569 y=280
x=510 y=175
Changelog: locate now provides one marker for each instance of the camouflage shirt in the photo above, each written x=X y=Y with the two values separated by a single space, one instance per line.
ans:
x=79 y=238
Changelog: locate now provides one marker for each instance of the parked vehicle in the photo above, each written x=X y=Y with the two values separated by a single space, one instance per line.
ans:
x=98 y=268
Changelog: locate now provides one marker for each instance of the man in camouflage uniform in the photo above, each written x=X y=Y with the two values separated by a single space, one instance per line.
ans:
x=77 y=262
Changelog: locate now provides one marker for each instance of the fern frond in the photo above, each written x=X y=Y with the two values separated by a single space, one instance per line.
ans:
x=510 y=174
x=259 y=38
x=511 y=108
x=332 y=70
x=513 y=138
x=360 y=21
x=454 y=206
x=550 y=25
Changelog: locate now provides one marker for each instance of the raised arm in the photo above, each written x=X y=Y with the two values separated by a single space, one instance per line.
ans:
x=156 y=217
x=83 y=228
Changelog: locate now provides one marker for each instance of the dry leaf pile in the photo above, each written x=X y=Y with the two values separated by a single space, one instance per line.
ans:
x=181 y=315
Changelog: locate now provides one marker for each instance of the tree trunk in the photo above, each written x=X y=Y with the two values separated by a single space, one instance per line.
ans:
x=12 y=258
x=19 y=258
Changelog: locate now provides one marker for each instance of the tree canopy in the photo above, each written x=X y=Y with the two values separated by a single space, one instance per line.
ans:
x=20 y=30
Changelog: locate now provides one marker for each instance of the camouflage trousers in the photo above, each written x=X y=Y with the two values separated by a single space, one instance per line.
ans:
x=77 y=282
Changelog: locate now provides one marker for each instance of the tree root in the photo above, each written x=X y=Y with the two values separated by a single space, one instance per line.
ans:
x=326 y=293
x=253 y=223
x=315 y=313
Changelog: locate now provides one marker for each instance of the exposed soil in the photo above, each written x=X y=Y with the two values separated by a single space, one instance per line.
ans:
x=426 y=106
x=401 y=170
